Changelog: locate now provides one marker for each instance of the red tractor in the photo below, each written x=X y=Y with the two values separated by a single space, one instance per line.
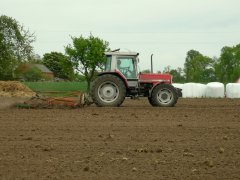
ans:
x=121 y=79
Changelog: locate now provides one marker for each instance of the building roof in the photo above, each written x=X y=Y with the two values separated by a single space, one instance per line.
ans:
x=42 y=67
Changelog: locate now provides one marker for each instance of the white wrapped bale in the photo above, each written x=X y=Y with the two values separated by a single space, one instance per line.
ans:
x=178 y=85
x=233 y=90
x=187 y=90
x=202 y=91
x=215 y=90
x=194 y=90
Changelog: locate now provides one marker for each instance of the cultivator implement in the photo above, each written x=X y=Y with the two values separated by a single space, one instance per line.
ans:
x=54 y=102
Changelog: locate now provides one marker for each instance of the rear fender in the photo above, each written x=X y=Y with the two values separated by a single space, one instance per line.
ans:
x=118 y=74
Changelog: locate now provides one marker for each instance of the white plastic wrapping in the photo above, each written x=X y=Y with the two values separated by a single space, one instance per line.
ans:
x=194 y=90
x=202 y=91
x=233 y=90
x=178 y=85
x=215 y=90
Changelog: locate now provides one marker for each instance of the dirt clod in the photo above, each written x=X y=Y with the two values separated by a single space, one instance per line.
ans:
x=125 y=158
x=159 y=150
x=221 y=150
x=134 y=169
x=188 y=154
x=86 y=168
x=208 y=162
x=225 y=137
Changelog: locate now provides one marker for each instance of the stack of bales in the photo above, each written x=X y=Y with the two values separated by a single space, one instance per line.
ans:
x=211 y=90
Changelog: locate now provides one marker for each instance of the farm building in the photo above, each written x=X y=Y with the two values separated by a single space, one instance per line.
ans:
x=46 y=73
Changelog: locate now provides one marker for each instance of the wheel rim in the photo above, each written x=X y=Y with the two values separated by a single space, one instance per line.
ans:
x=164 y=96
x=108 y=92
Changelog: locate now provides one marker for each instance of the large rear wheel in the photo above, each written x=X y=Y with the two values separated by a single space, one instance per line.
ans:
x=108 y=90
x=163 y=95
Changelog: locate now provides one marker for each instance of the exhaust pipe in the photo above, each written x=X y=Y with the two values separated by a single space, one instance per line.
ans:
x=152 y=63
x=115 y=50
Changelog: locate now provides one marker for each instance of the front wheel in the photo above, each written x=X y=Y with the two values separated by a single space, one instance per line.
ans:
x=151 y=102
x=108 y=90
x=163 y=95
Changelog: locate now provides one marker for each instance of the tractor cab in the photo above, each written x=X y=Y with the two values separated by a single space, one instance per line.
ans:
x=125 y=65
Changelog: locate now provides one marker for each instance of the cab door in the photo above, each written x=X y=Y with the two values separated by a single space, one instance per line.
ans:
x=127 y=66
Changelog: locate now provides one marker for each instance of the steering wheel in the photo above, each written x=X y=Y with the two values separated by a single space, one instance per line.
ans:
x=126 y=71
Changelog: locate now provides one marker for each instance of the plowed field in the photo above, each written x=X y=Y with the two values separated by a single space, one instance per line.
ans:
x=197 y=139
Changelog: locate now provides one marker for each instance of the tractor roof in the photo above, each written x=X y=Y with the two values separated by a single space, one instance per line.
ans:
x=122 y=53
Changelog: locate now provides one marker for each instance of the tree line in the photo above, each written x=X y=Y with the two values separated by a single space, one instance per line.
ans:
x=203 y=69
x=84 y=56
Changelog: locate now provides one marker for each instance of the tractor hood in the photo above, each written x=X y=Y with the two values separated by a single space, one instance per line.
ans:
x=155 y=78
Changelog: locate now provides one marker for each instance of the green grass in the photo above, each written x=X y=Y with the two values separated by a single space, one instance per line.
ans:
x=57 y=88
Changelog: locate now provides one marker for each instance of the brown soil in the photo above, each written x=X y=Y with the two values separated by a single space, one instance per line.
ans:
x=10 y=102
x=197 y=139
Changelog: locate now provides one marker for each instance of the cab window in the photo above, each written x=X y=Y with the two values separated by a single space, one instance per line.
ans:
x=108 y=63
x=126 y=66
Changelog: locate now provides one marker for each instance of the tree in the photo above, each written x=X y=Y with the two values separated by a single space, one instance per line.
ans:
x=15 y=46
x=59 y=64
x=87 y=55
x=199 y=68
x=167 y=69
x=177 y=74
x=35 y=59
x=228 y=65
x=147 y=71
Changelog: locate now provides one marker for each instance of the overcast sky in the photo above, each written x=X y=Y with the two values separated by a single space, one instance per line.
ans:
x=166 y=28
